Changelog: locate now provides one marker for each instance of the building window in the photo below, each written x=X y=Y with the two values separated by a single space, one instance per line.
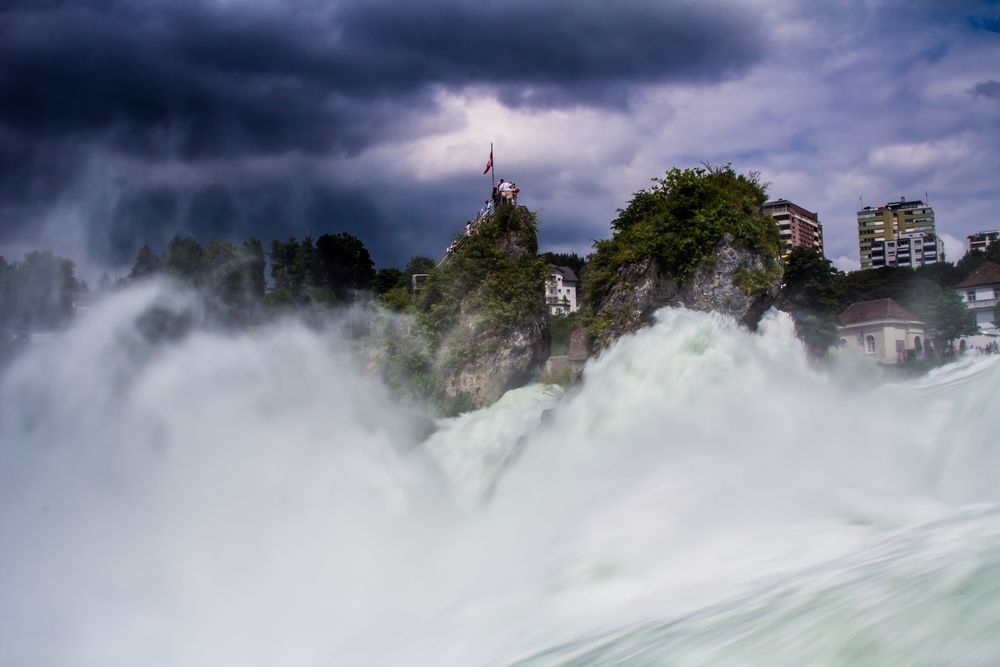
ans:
x=970 y=296
x=870 y=344
x=996 y=292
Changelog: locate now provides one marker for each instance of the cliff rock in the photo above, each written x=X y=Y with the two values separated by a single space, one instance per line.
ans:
x=732 y=280
x=485 y=311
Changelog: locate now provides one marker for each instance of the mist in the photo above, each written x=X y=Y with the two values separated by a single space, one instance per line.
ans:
x=260 y=498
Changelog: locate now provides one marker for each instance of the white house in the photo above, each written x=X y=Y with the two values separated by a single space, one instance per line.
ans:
x=981 y=293
x=560 y=290
x=881 y=330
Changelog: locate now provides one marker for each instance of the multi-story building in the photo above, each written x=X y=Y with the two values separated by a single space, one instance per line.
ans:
x=911 y=250
x=890 y=222
x=796 y=225
x=560 y=290
x=981 y=294
x=982 y=240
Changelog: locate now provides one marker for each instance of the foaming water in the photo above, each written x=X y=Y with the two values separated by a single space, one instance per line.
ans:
x=706 y=496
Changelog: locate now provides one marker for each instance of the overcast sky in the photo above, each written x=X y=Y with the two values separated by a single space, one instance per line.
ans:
x=124 y=122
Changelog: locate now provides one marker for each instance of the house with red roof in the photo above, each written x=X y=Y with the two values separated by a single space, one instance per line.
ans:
x=881 y=330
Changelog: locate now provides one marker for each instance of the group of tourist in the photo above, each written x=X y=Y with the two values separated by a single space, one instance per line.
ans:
x=505 y=192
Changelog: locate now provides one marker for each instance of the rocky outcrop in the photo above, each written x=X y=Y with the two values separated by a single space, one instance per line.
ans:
x=490 y=363
x=732 y=280
x=486 y=305
x=737 y=282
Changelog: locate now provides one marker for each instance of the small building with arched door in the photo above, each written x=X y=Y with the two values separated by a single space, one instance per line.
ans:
x=881 y=330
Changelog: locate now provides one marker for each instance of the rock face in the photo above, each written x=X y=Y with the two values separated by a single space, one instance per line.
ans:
x=717 y=286
x=497 y=362
x=492 y=294
x=734 y=281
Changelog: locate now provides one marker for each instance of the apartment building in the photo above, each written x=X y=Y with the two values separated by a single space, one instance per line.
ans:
x=796 y=225
x=911 y=250
x=982 y=240
x=891 y=222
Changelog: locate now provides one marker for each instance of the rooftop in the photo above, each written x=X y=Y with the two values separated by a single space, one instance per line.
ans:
x=567 y=273
x=875 y=310
x=987 y=274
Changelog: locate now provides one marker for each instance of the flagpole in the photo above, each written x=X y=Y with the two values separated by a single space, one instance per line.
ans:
x=493 y=171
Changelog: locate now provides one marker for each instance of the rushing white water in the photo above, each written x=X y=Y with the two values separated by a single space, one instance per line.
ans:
x=705 y=497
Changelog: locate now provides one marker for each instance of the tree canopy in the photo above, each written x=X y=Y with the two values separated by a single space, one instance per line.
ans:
x=678 y=222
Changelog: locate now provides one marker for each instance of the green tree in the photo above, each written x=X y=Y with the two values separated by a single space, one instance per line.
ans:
x=810 y=294
x=344 y=265
x=185 y=259
x=678 y=222
x=146 y=264
x=969 y=263
x=943 y=311
x=295 y=267
x=387 y=279
x=418 y=264
x=39 y=291
x=235 y=279
x=894 y=282
x=398 y=299
x=570 y=259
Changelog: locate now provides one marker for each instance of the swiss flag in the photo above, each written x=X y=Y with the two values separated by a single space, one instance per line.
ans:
x=489 y=163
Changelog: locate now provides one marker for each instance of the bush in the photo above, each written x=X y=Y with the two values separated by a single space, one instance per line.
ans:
x=678 y=222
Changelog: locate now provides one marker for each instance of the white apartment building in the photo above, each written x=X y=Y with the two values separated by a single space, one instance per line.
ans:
x=911 y=250
x=560 y=290
x=982 y=240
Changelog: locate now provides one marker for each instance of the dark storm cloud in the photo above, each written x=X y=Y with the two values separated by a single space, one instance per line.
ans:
x=989 y=88
x=189 y=81
x=264 y=80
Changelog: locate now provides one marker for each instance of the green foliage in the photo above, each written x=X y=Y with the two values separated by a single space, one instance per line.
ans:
x=37 y=292
x=417 y=264
x=970 y=262
x=756 y=281
x=942 y=310
x=495 y=274
x=185 y=259
x=570 y=259
x=678 y=222
x=343 y=265
x=387 y=279
x=333 y=270
x=811 y=295
x=234 y=279
x=561 y=327
x=894 y=282
x=944 y=274
x=397 y=299
x=146 y=264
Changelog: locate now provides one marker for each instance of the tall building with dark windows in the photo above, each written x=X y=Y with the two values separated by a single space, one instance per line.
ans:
x=796 y=225
x=902 y=233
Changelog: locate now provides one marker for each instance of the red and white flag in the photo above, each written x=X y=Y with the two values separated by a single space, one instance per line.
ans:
x=489 y=163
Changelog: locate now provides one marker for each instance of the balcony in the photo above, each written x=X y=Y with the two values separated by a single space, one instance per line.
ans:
x=980 y=304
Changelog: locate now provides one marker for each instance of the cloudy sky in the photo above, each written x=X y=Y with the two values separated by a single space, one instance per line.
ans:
x=128 y=121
